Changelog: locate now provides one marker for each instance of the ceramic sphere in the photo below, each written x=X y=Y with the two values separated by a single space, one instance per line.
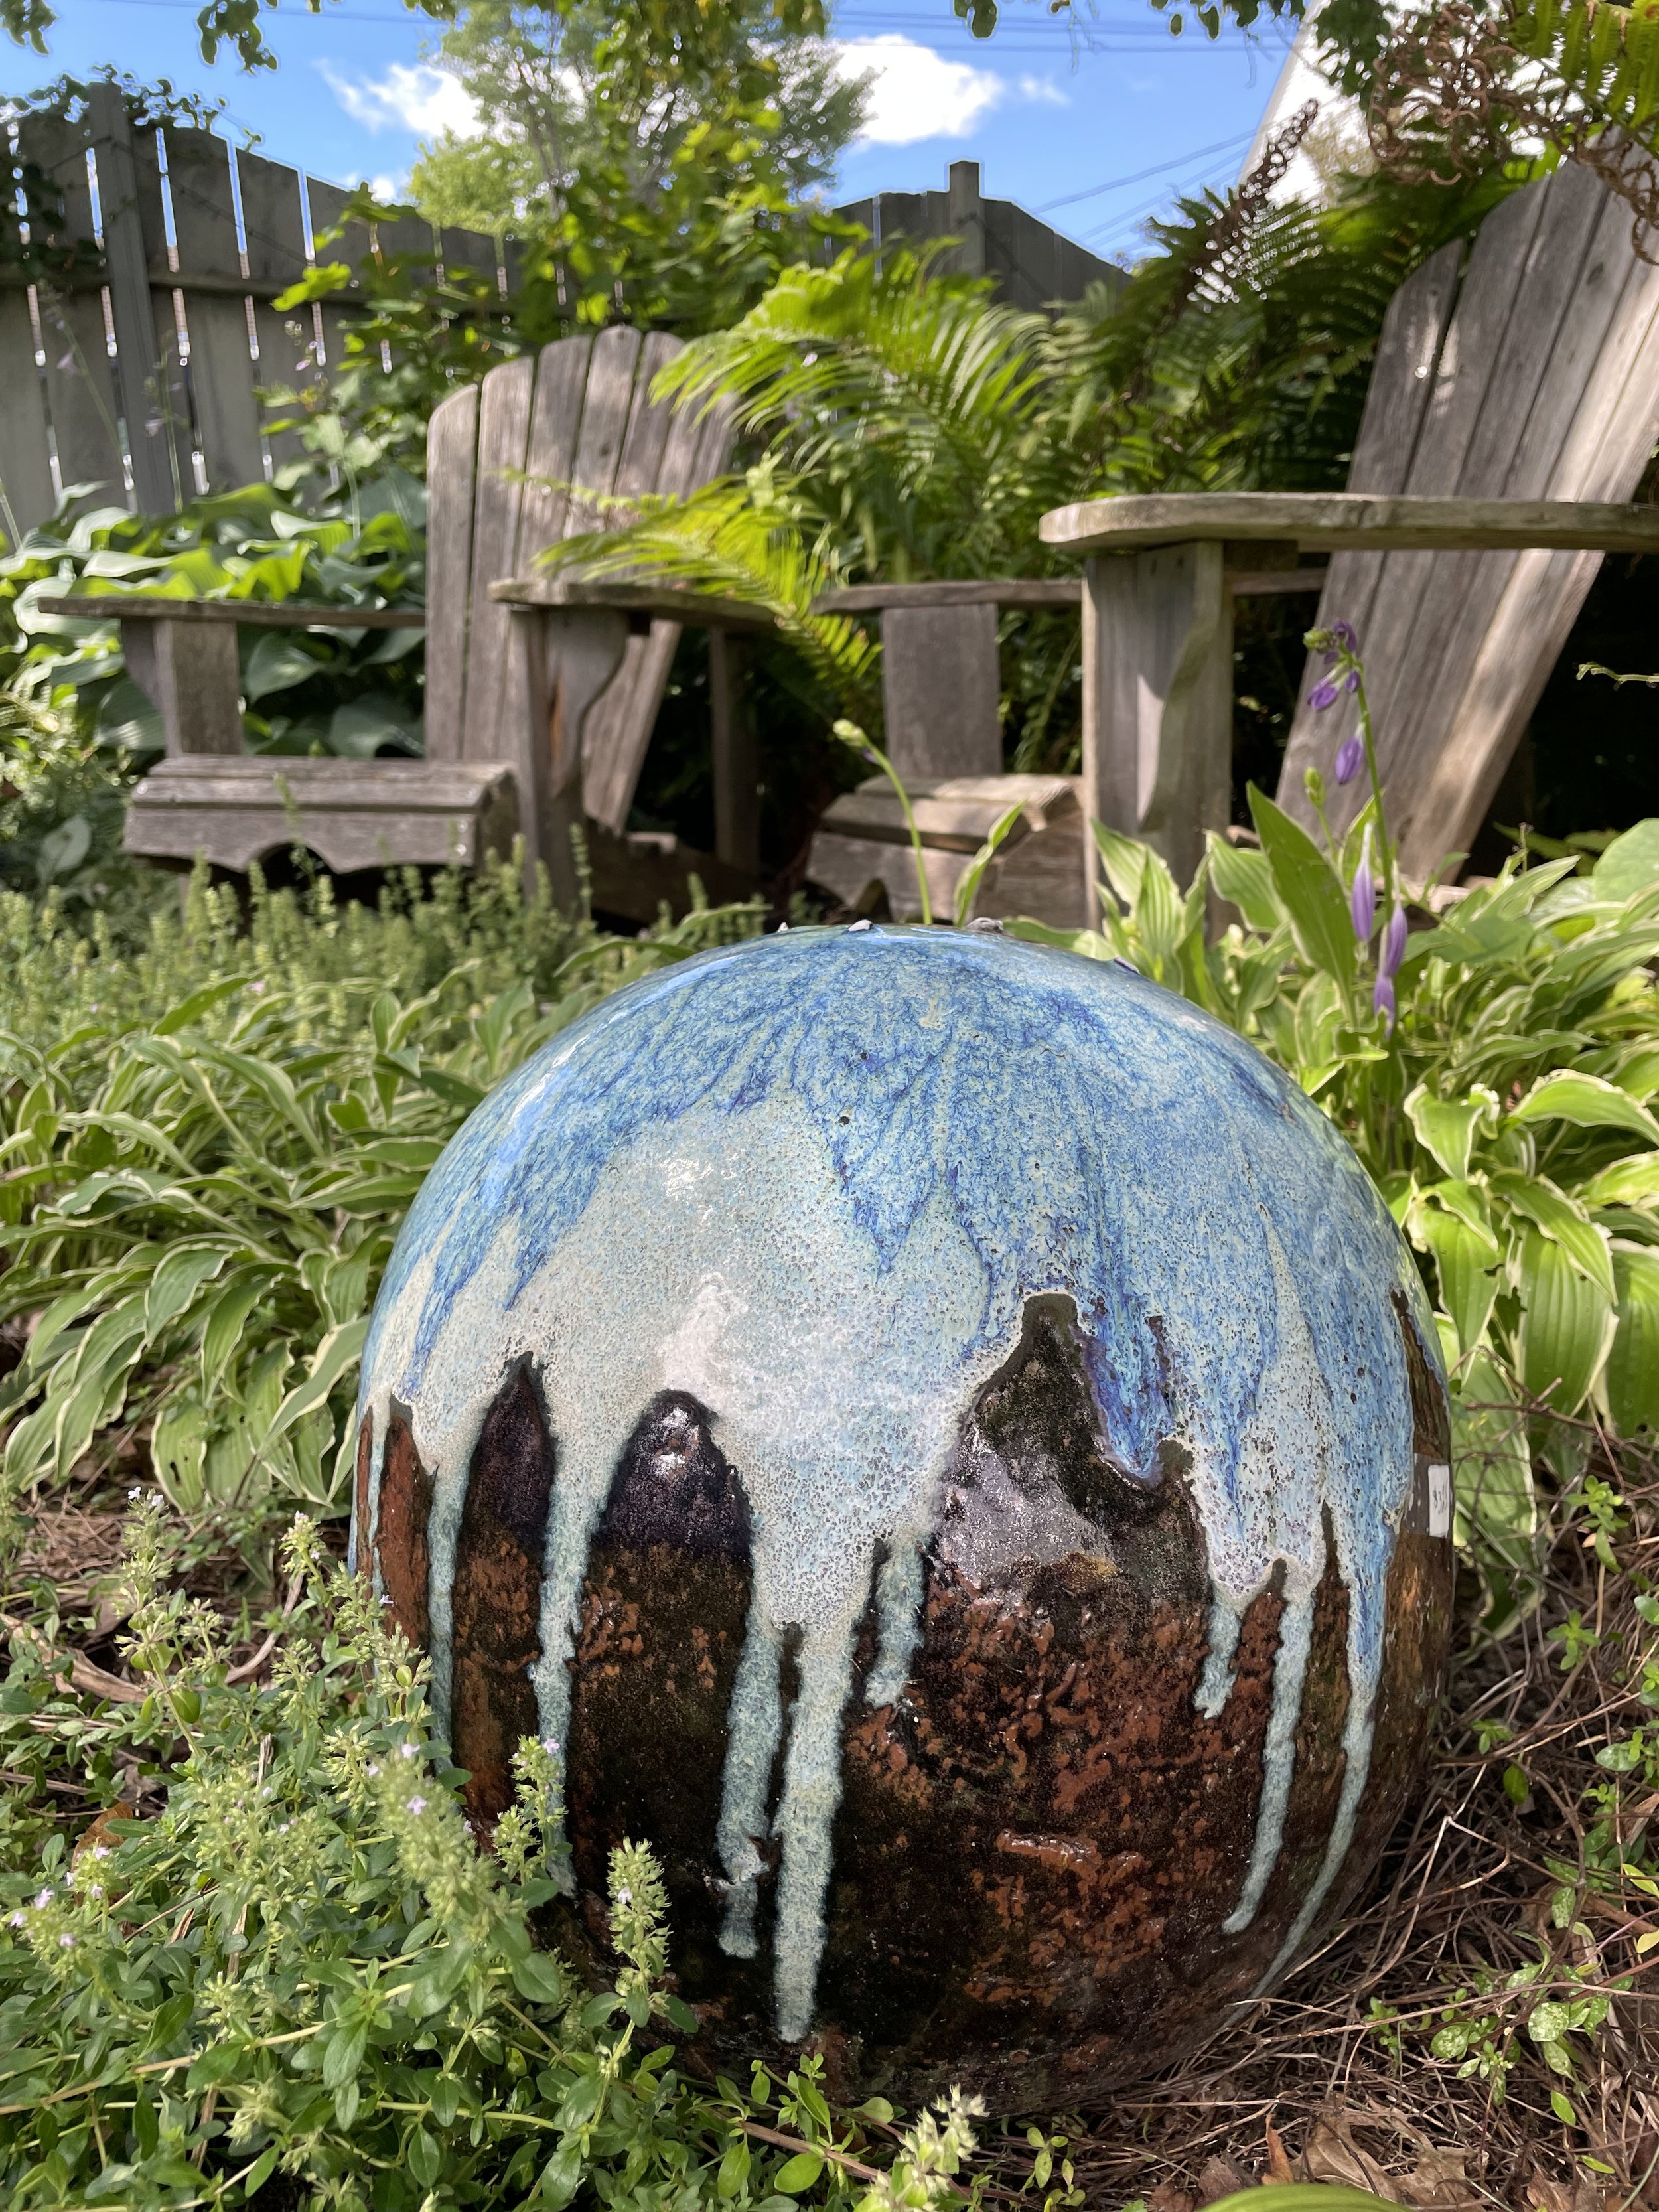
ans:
x=950 y=1445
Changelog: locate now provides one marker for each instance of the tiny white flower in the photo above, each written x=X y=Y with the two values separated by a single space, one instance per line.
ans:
x=134 y=1495
x=94 y=1889
x=43 y=1901
x=373 y=1769
x=20 y=1920
x=550 y=1743
x=66 y=1941
x=624 y=1896
x=409 y=1750
x=417 y=1806
x=101 y=1850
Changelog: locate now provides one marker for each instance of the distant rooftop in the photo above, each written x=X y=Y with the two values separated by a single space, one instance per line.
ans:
x=1034 y=266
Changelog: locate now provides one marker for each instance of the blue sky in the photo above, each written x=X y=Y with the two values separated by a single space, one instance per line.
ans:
x=1050 y=115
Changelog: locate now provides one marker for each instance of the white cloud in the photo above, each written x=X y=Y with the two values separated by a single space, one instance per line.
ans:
x=410 y=96
x=916 y=93
x=388 y=190
x=1044 y=89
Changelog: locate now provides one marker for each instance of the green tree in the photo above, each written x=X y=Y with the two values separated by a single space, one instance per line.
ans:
x=659 y=163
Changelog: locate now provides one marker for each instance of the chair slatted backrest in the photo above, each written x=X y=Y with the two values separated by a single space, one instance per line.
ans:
x=1530 y=372
x=515 y=463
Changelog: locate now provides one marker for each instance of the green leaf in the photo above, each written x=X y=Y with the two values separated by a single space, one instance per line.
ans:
x=1631 y=1377
x=540 y=1979
x=281 y=659
x=798 y=2174
x=343 y=2054
x=1566 y=1325
x=1630 y=865
x=425 y=2158
x=967 y=889
x=260 y=2172
x=1309 y=888
x=223 y=1332
x=1447 y=1128
x=1561 y=2106
x=339 y=1351
x=177 y=1280
x=1494 y=1480
x=1562 y=1220
x=1244 y=878
x=733 y=2168
x=190 y=1009
x=1627 y=1182
x=1466 y=1263
x=1587 y=1101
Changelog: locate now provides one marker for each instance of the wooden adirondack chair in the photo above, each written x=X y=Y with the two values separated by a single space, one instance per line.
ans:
x=1523 y=389
x=540 y=694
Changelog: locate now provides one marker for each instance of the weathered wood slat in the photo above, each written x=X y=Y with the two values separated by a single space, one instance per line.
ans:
x=25 y=453
x=1314 y=521
x=678 y=603
x=256 y=614
x=736 y=758
x=221 y=375
x=274 y=223
x=353 y=815
x=1157 y=697
x=452 y=440
x=981 y=592
x=1508 y=316
x=137 y=370
x=688 y=450
x=555 y=422
x=1460 y=644
x=80 y=390
x=326 y=203
x=941 y=689
x=503 y=438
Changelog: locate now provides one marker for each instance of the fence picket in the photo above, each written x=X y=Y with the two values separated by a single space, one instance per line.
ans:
x=221 y=375
x=139 y=377
x=273 y=224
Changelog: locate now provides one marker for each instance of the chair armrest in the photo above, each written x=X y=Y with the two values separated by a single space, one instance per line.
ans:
x=977 y=592
x=1327 y=521
x=258 y=614
x=673 y=602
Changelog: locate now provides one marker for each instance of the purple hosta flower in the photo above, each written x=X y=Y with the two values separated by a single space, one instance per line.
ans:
x=1324 y=694
x=1342 y=634
x=1390 y=954
x=1350 y=755
x=1362 y=898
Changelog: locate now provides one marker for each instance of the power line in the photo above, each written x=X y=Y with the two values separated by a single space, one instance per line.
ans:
x=1115 y=184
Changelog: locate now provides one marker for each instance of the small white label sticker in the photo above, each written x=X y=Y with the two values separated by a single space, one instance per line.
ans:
x=1440 y=1499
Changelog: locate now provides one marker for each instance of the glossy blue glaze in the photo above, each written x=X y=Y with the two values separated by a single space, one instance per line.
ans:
x=813 y=1179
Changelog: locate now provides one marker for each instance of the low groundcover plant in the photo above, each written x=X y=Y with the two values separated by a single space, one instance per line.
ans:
x=277 y=1962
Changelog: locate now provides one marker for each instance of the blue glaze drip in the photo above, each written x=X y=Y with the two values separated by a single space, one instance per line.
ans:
x=814 y=1180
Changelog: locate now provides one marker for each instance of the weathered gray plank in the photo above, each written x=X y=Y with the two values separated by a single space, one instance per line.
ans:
x=1402 y=384
x=273 y=221
x=941 y=689
x=138 y=375
x=352 y=246
x=677 y=603
x=451 y=441
x=1157 y=697
x=620 y=725
x=606 y=410
x=354 y=814
x=221 y=361
x=80 y=389
x=405 y=234
x=25 y=454
x=555 y=421
x=1447 y=784
x=503 y=440
x=469 y=249
x=188 y=670
x=1423 y=640
x=984 y=590
x=1317 y=520
x=1460 y=645
x=245 y=614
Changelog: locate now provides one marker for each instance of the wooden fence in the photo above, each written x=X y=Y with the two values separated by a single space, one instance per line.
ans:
x=136 y=366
